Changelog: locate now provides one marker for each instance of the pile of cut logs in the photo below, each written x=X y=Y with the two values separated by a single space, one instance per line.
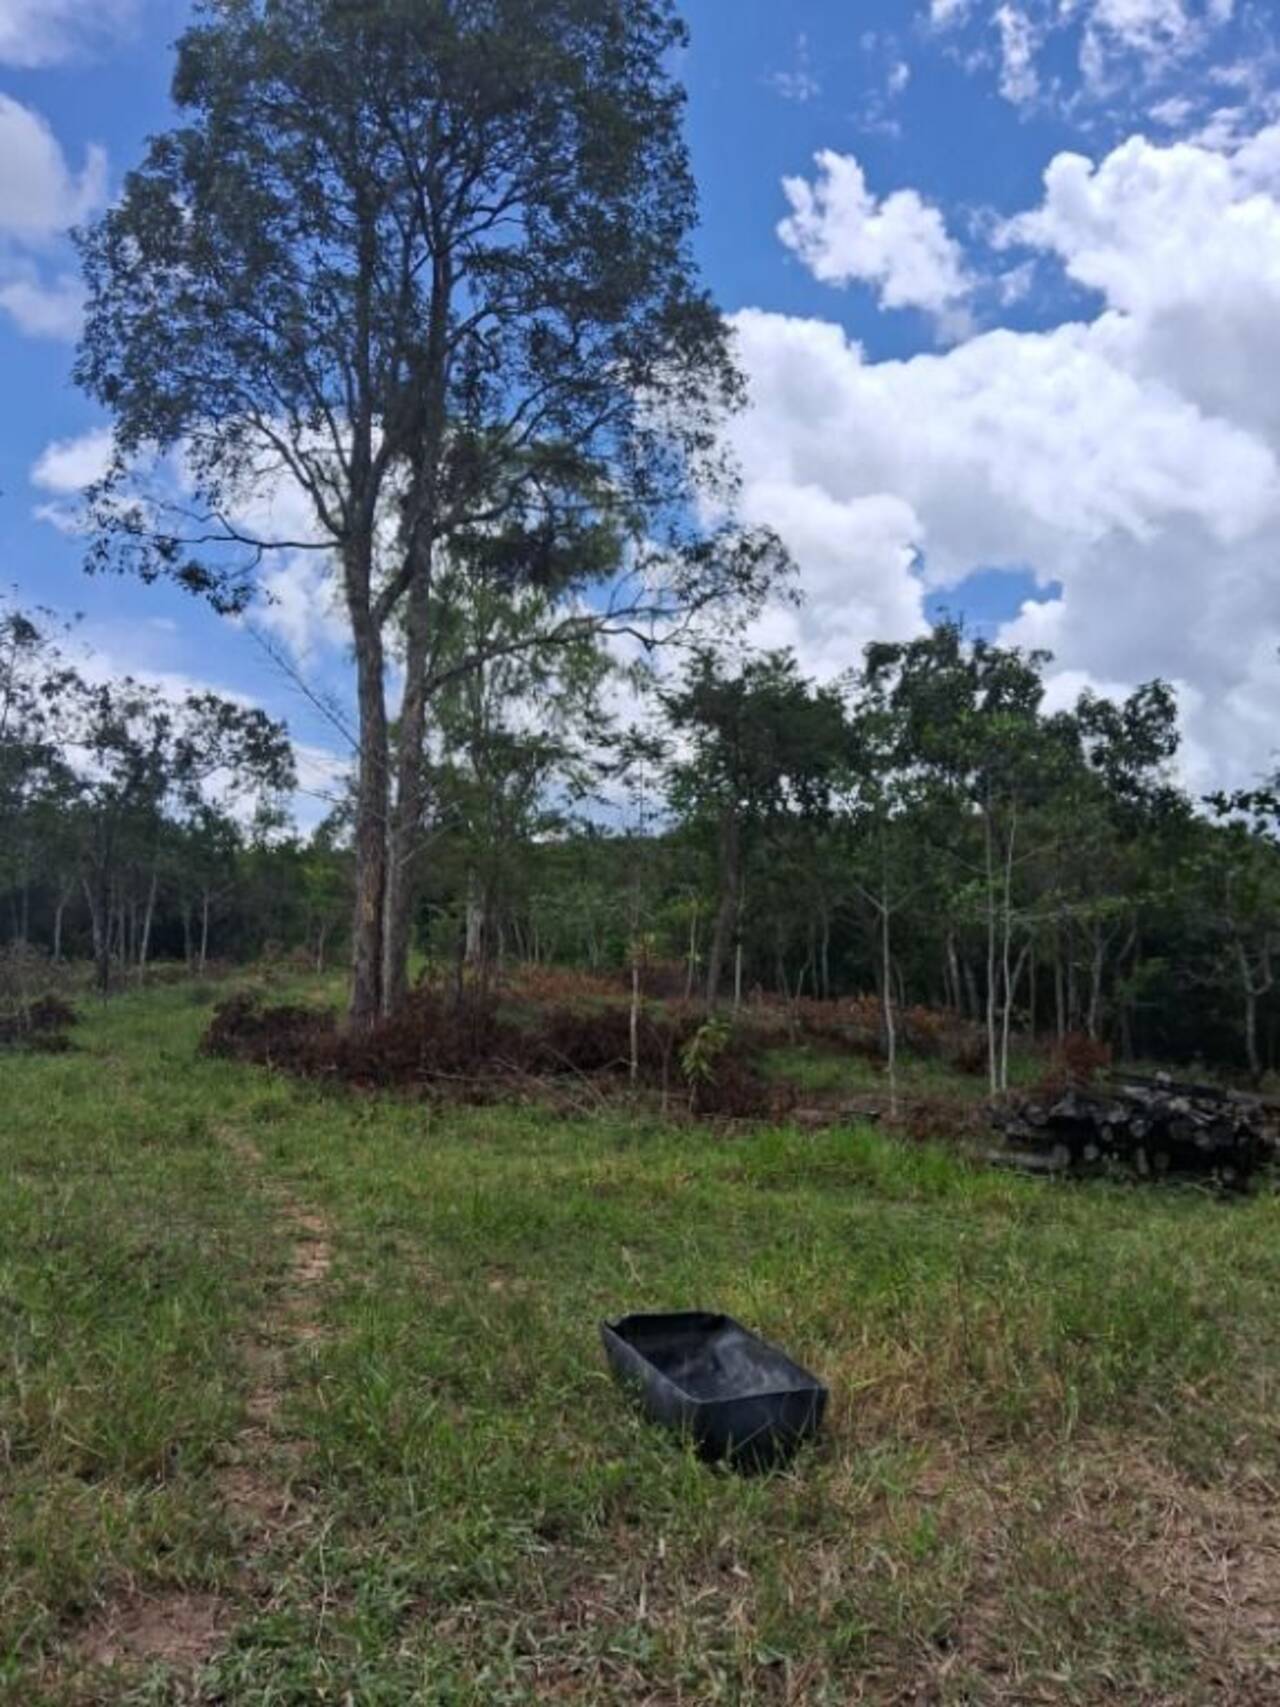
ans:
x=1151 y=1127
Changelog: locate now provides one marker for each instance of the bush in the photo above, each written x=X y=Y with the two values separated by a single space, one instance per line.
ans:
x=40 y=1024
x=476 y=1048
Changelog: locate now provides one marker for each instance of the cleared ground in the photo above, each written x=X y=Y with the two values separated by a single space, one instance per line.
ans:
x=302 y=1400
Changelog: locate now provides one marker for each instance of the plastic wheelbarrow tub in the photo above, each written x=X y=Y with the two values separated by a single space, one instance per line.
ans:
x=737 y=1398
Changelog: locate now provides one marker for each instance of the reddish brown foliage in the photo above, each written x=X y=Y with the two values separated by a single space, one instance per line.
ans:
x=477 y=1047
x=1077 y=1059
x=42 y=1024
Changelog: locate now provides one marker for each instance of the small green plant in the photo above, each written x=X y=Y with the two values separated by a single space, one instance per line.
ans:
x=701 y=1055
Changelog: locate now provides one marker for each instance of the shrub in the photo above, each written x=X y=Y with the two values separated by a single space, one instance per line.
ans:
x=475 y=1047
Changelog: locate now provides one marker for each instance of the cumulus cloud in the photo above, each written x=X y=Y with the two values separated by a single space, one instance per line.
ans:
x=44 y=310
x=1130 y=460
x=35 y=33
x=41 y=195
x=899 y=245
x=67 y=466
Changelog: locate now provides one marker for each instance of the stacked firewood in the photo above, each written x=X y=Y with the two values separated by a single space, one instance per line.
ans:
x=1151 y=1127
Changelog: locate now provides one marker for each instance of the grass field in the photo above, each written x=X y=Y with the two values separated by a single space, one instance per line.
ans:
x=302 y=1401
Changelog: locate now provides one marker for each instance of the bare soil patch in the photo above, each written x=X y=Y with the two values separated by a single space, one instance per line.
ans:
x=179 y=1630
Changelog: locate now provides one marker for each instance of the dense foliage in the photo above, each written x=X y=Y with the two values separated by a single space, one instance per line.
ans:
x=927 y=830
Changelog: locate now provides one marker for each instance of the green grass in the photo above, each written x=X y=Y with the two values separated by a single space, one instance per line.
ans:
x=1027 y=1379
x=819 y=1069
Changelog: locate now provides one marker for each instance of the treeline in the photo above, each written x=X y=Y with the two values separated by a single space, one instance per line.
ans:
x=134 y=825
x=926 y=829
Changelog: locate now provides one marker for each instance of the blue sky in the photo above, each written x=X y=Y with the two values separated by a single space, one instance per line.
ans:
x=1039 y=406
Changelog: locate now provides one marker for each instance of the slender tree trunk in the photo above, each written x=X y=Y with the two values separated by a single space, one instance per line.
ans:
x=405 y=825
x=890 y=1024
x=144 y=942
x=59 y=912
x=477 y=922
x=1012 y=980
x=692 y=971
x=635 y=1019
x=728 y=905
x=1251 y=1033
x=97 y=926
x=408 y=810
x=1006 y=948
x=188 y=951
x=371 y=826
x=1097 y=964
x=1254 y=984
x=1060 y=992
x=993 y=1074
x=24 y=913
x=205 y=904
x=953 y=963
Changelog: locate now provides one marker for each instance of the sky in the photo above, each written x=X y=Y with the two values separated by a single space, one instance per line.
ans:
x=1005 y=282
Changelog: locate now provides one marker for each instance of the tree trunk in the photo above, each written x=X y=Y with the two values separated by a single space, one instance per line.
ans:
x=64 y=901
x=408 y=809
x=477 y=921
x=953 y=963
x=1012 y=980
x=1097 y=964
x=370 y=828
x=727 y=906
x=635 y=1019
x=1251 y=1033
x=890 y=1025
x=405 y=823
x=144 y=942
x=993 y=1075
x=205 y=902
x=1005 y=951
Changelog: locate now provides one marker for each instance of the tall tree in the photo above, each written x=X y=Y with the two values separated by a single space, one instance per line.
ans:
x=428 y=262
x=760 y=744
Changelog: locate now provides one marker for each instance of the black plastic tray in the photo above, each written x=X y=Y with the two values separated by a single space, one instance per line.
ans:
x=735 y=1396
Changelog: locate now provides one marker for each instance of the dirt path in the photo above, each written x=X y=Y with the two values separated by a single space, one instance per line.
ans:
x=257 y=1483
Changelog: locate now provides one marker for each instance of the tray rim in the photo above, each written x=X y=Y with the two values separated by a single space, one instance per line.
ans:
x=810 y=1384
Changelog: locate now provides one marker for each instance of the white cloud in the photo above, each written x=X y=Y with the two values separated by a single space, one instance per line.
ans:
x=899 y=245
x=1019 y=80
x=36 y=33
x=53 y=310
x=301 y=607
x=1122 y=46
x=799 y=83
x=40 y=194
x=65 y=467
x=1133 y=458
